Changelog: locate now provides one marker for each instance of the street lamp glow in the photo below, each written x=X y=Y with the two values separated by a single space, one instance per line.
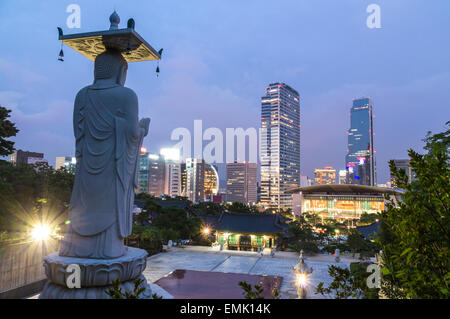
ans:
x=206 y=231
x=40 y=232
x=302 y=280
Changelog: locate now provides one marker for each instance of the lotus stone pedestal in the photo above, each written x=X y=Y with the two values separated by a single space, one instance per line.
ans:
x=95 y=276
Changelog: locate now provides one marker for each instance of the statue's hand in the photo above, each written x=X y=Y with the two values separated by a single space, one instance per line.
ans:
x=144 y=123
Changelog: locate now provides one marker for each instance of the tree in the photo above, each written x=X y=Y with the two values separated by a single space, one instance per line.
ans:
x=238 y=207
x=209 y=208
x=7 y=129
x=303 y=235
x=367 y=219
x=348 y=283
x=33 y=193
x=415 y=237
x=174 y=221
x=148 y=238
x=344 y=285
x=249 y=293
x=355 y=241
x=116 y=291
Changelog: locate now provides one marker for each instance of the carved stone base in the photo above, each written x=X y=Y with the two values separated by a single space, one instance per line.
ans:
x=95 y=275
x=54 y=291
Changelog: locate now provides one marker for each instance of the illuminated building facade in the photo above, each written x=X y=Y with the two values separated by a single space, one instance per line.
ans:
x=19 y=157
x=151 y=173
x=211 y=185
x=144 y=164
x=360 y=158
x=280 y=145
x=342 y=176
x=172 y=185
x=195 y=179
x=242 y=182
x=156 y=175
x=325 y=175
x=341 y=202
x=67 y=162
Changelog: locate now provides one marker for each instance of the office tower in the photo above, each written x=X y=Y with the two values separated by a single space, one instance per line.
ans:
x=241 y=182
x=342 y=176
x=405 y=165
x=151 y=174
x=144 y=164
x=19 y=157
x=258 y=192
x=360 y=159
x=172 y=185
x=325 y=175
x=156 y=175
x=67 y=162
x=280 y=145
x=195 y=179
x=211 y=185
x=183 y=179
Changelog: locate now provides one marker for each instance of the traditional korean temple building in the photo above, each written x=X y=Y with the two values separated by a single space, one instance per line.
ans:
x=240 y=231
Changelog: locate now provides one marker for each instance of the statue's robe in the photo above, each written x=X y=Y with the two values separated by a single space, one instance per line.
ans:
x=108 y=140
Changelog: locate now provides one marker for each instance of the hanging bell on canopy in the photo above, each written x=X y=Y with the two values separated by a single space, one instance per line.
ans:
x=128 y=49
x=61 y=55
x=157 y=71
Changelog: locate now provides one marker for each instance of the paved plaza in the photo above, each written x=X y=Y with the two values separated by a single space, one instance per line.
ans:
x=207 y=259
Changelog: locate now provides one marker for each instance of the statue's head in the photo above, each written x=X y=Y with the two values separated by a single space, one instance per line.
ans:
x=110 y=65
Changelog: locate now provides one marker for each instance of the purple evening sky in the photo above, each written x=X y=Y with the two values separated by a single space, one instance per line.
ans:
x=219 y=56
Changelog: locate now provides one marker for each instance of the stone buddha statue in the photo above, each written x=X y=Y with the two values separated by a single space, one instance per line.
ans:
x=108 y=137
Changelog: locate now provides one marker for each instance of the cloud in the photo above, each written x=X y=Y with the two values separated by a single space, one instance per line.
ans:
x=183 y=98
x=19 y=73
x=10 y=99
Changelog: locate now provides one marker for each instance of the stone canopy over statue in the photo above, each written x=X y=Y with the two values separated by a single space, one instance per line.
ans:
x=108 y=138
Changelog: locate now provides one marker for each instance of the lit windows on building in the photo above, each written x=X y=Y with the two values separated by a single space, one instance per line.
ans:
x=151 y=174
x=211 y=185
x=325 y=175
x=67 y=162
x=360 y=158
x=340 y=202
x=195 y=179
x=280 y=145
x=242 y=182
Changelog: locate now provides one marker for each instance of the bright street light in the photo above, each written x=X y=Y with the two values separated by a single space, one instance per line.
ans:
x=40 y=232
x=302 y=280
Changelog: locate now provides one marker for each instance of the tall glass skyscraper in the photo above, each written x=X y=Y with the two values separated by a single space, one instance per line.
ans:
x=360 y=159
x=280 y=145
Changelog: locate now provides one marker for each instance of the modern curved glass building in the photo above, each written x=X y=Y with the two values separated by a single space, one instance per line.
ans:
x=340 y=201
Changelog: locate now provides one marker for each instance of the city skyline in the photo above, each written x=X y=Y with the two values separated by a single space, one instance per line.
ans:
x=204 y=76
